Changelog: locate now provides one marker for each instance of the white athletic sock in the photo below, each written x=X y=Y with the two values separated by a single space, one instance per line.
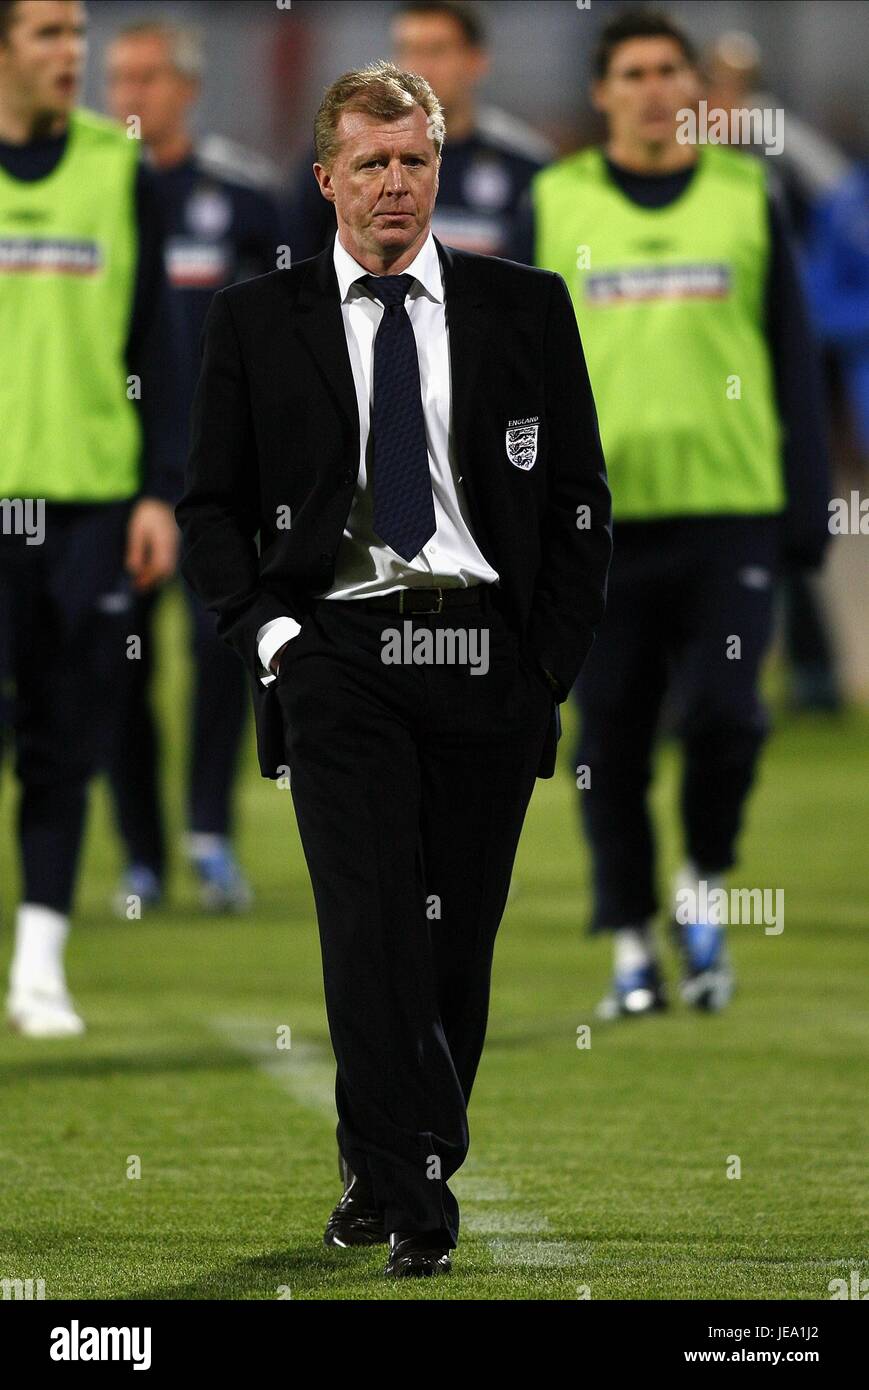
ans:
x=200 y=844
x=686 y=890
x=633 y=948
x=40 y=938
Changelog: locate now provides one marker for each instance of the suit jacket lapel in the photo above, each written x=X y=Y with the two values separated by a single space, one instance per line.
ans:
x=465 y=310
x=319 y=323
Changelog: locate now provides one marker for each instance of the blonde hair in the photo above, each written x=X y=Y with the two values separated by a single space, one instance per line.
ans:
x=382 y=90
x=184 y=42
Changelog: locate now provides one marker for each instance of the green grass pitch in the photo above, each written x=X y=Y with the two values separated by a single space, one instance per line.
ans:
x=594 y=1172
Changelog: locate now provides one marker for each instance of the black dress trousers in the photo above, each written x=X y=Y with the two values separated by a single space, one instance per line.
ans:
x=410 y=784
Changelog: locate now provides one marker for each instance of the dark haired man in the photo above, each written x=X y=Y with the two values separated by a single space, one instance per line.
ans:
x=706 y=384
x=92 y=445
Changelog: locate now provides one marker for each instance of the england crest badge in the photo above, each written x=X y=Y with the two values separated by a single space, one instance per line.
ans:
x=522 y=441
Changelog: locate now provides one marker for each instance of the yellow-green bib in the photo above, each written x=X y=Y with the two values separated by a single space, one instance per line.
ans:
x=670 y=306
x=69 y=430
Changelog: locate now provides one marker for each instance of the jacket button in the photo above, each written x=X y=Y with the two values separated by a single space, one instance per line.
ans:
x=349 y=477
x=325 y=558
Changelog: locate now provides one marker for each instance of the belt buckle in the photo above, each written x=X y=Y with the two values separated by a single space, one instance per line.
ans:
x=439 y=609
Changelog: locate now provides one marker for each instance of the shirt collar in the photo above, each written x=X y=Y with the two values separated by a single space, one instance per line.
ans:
x=425 y=267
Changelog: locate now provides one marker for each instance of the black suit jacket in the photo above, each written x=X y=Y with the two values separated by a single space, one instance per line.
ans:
x=275 y=433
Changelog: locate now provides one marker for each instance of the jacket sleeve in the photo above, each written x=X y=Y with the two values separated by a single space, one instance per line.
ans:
x=800 y=400
x=570 y=592
x=219 y=513
x=152 y=353
x=522 y=231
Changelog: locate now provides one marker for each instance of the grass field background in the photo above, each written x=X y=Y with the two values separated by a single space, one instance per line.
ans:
x=600 y=1171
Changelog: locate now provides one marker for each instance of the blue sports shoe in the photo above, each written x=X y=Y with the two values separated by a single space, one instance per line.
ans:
x=224 y=887
x=707 y=976
x=634 y=993
x=140 y=882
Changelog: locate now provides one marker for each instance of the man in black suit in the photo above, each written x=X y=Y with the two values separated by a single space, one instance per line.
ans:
x=397 y=503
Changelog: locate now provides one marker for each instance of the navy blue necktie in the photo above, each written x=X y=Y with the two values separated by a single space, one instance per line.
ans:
x=404 y=515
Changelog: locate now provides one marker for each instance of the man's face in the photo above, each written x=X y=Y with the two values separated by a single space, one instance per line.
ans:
x=141 y=81
x=648 y=82
x=383 y=182
x=42 y=60
x=434 y=45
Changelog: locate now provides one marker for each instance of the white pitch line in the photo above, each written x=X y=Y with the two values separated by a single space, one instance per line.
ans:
x=306 y=1071
x=541 y=1254
x=490 y=1208
x=476 y=1187
x=505 y=1220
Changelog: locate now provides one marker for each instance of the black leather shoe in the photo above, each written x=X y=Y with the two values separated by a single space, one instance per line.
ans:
x=355 y=1220
x=414 y=1256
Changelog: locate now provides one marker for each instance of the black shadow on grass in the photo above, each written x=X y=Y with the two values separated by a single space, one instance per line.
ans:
x=262 y=1276
x=309 y=1267
x=151 y=1063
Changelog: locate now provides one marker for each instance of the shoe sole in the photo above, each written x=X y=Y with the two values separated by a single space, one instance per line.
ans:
x=118 y=904
x=710 y=991
x=332 y=1243
x=609 y=1009
x=27 y=1029
x=224 y=905
x=435 y=1272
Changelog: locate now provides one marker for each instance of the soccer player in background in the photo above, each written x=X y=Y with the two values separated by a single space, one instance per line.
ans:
x=708 y=394
x=223 y=226
x=92 y=450
x=807 y=169
x=837 y=271
x=489 y=157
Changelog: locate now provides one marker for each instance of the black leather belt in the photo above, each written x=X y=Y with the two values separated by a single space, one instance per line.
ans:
x=426 y=600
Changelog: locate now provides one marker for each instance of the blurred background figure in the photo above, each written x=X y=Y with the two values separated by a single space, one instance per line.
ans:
x=222 y=226
x=809 y=168
x=84 y=317
x=489 y=156
x=682 y=275
x=810 y=165
x=837 y=272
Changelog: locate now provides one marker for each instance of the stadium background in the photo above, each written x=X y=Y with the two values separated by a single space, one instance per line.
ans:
x=602 y=1168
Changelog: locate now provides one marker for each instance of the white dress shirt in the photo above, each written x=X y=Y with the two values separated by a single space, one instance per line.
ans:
x=365 y=565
